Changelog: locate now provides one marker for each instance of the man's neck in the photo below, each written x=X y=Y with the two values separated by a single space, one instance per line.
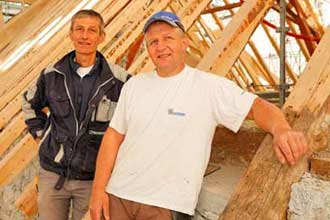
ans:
x=162 y=72
x=85 y=60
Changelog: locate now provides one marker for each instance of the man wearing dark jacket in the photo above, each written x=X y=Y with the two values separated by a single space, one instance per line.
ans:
x=81 y=93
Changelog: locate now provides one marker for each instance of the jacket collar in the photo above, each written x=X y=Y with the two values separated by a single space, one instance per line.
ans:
x=67 y=65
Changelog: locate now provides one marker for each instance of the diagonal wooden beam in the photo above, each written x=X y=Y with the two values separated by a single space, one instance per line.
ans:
x=27 y=201
x=30 y=2
x=225 y=51
x=276 y=47
x=2 y=21
x=17 y=159
x=263 y=192
x=120 y=46
x=300 y=42
x=315 y=17
x=254 y=70
x=15 y=27
x=222 y=8
x=13 y=130
x=271 y=78
x=304 y=27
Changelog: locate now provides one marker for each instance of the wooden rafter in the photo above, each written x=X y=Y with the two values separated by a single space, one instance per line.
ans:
x=276 y=47
x=300 y=42
x=270 y=77
x=304 y=28
x=29 y=2
x=233 y=39
x=2 y=22
x=222 y=8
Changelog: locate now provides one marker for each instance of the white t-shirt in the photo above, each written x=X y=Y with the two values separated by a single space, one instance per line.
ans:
x=83 y=71
x=169 y=125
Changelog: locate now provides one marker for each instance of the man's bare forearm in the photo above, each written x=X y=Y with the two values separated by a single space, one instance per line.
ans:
x=106 y=158
x=289 y=145
x=268 y=117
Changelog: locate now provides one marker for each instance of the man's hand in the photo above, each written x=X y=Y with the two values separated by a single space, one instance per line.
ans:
x=289 y=145
x=99 y=205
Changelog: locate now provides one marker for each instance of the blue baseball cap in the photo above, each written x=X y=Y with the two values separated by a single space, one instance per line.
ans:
x=168 y=17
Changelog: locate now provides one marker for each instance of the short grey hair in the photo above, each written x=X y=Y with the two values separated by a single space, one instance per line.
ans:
x=88 y=13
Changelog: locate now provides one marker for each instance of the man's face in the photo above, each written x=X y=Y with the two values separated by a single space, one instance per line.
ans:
x=86 y=35
x=166 y=47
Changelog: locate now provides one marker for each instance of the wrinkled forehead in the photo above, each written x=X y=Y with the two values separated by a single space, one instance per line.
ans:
x=86 y=18
x=162 y=25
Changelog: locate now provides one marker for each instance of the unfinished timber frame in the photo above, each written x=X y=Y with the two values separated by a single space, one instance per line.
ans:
x=39 y=36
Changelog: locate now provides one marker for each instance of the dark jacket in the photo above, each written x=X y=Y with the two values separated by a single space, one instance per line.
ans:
x=67 y=147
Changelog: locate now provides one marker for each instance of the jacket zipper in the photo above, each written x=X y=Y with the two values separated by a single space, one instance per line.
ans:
x=71 y=103
x=78 y=128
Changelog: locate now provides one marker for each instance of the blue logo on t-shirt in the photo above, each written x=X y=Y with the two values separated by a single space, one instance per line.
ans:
x=172 y=112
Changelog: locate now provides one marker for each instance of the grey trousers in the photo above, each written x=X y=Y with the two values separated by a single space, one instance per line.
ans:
x=55 y=204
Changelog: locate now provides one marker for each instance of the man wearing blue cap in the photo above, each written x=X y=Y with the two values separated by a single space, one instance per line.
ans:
x=155 y=152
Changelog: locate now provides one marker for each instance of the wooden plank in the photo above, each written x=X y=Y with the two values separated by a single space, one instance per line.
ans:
x=123 y=21
x=271 y=78
x=24 y=66
x=237 y=78
x=253 y=70
x=304 y=27
x=225 y=51
x=17 y=159
x=244 y=73
x=310 y=10
x=288 y=68
x=300 y=42
x=10 y=111
x=222 y=8
x=2 y=21
x=11 y=133
x=237 y=69
x=120 y=46
x=201 y=45
x=18 y=25
x=133 y=50
x=320 y=164
x=263 y=192
x=207 y=29
x=27 y=201
x=312 y=80
x=30 y=2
